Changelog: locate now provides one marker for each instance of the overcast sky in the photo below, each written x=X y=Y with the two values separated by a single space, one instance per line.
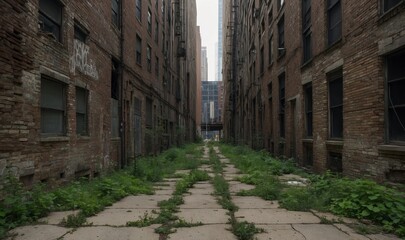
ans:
x=207 y=19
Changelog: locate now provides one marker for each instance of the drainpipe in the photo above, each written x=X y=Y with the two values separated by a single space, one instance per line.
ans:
x=122 y=98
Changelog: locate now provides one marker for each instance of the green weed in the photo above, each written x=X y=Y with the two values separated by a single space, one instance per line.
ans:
x=245 y=230
x=74 y=220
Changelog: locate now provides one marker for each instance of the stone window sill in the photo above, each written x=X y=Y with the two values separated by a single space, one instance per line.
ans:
x=336 y=143
x=392 y=149
x=54 y=139
x=308 y=140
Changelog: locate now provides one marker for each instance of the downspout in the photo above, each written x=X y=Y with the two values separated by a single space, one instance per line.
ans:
x=122 y=98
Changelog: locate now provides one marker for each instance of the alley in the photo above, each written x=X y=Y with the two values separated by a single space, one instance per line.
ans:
x=201 y=215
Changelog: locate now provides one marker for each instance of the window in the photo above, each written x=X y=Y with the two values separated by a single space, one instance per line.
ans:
x=156 y=30
x=138 y=10
x=138 y=50
x=388 y=4
x=262 y=60
x=157 y=65
x=149 y=21
x=308 y=109
x=50 y=17
x=336 y=104
x=281 y=80
x=335 y=162
x=115 y=7
x=115 y=124
x=80 y=34
x=308 y=155
x=280 y=26
x=280 y=3
x=149 y=58
x=306 y=30
x=271 y=49
x=53 y=107
x=334 y=21
x=81 y=111
x=395 y=96
x=149 y=117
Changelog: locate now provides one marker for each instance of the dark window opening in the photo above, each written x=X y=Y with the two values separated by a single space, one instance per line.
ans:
x=50 y=17
x=156 y=30
x=149 y=58
x=262 y=60
x=157 y=65
x=114 y=80
x=138 y=50
x=281 y=80
x=388 y=4
x=53 y=107
x=308 y=109
x=80 y=34
x=306 y=29
x=81 y=111
x=149 y=21
x=336 y=104
x=138 y=10
x=308 y=155
x=280 y=25
x=149 y=111
x=280 y=3
x=335 y=162
x=334 y=21
x=115 y=10
x=396 y=96
x=271 y=49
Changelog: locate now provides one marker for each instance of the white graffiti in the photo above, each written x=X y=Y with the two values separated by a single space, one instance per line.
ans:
x=80 y=60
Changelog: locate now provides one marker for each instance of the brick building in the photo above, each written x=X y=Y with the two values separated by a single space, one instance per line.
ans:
x=89 y=85
x=319 y=81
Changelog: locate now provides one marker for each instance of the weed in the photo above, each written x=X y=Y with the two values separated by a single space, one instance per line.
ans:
x=181 y=223
x=245 y=230
x=74 y=220
x=297 y=199
x=143 y=221
x=324 y=220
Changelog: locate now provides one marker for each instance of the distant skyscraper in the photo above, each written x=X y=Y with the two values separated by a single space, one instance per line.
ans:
x=219 y=57
x=204 y=64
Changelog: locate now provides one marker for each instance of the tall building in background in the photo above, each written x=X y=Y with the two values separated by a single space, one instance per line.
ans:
x=210 y=107
x=204 y=64
x=198 y=81
x=219 y=48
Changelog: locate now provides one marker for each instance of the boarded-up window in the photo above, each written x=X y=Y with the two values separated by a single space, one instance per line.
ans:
x=53 y=107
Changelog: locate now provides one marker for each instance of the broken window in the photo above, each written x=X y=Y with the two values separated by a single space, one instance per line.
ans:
x=395 y=96
x=50 y=17
x=53 y=107
x=81 y=111
x=336 y=104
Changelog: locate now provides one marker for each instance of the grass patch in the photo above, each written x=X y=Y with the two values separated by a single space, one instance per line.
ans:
x=359 y=198
x=245 y=230
x=74 y=220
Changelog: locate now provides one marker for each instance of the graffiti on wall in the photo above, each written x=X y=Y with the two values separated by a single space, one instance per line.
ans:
x=80 y=60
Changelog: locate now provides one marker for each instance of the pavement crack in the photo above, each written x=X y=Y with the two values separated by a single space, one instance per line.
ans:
x=292 y=226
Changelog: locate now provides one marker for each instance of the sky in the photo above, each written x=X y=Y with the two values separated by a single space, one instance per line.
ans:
x=207 y=19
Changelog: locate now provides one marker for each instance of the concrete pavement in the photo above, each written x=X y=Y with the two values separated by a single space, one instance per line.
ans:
x=200 y=206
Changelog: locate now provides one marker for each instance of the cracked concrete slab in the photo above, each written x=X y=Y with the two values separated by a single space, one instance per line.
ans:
x=201 y=191
x=56 y=217
x=382 y=237
x=333 y=218
x=120 y=217
x=43 y=232
x=251 y=202
x=206 y=232
x=164 y=192
x=206 y=216
x=275 y=216
x=278 y=232
x=141 y=201
x=200 y=201
x=183 y=171
x=352 y=234
x=320 y=231
x=202 y=185
x=108 y=233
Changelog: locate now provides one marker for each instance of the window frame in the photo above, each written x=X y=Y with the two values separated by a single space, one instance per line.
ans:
x=116 y=12
x=149 y=58
x=306 y=31
x=308 y=101
x=138 y=50
x=45 y=107
x=384 y=3
x=138 y=10
x=149 y=21
x=388 y=99
x=334 y=7
x=334 y=76
x=282 y=104
x=44 y=18
x=85 y=113
x=281 y=36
